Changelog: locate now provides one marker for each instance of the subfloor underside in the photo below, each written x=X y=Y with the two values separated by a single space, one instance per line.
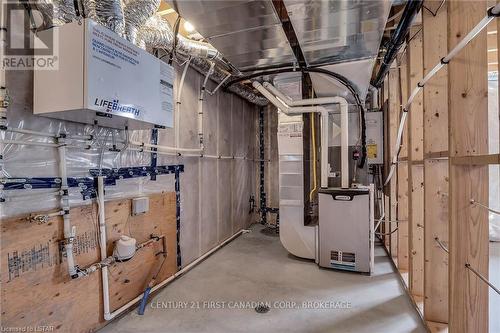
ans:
x=219 y=295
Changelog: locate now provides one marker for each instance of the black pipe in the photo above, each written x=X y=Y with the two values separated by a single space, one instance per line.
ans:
x=397 y=39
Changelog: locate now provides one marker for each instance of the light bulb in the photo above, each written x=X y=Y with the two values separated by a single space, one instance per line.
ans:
x=188 y=26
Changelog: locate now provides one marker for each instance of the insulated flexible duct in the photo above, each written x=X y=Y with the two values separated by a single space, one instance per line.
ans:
x=56 y=12
x=137 y=12
x=157 y=33
x=203 y=65
x=108 y=13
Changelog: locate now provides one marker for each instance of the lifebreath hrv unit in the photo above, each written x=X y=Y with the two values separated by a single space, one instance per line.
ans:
x=101 y=77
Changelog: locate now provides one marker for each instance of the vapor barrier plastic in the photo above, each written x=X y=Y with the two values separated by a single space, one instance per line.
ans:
x=214 y=193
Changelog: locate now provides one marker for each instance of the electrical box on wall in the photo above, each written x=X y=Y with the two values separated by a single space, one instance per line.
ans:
x=103 y=78
x=374 y=134
x=140 y=205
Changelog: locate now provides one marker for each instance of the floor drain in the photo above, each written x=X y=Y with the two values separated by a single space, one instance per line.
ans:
x=262 y=308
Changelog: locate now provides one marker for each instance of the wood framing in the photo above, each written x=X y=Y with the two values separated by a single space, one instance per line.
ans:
x=393 y=119
x=468 y=135
x=415 y=166
x=435 y=94
x=402 y=178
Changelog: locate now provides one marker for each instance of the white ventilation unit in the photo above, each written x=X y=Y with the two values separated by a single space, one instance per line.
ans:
x=100 y=77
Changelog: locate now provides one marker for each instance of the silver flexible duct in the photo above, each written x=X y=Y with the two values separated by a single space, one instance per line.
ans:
x=108 y=13
x=197 y=49
x=203 y=65
x=56 y=12
x=156 y=33
x=137 y=12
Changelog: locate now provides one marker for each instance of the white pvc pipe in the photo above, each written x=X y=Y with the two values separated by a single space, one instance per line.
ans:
x=344 y=145
x=172 y=149
x=103 y=246
x=324 y=150
x=301 y=102
x=30 y=143
x=30 y=132
x=211 y=93
x=69 y=231
x=173 y=277
x=178 y=104
x=200 y=107
x=270 y=97
x=281 y=105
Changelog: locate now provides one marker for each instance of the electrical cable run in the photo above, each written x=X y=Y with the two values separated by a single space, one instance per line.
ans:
x=482 y=278
x=491 y=14
x=441 y=245
x=491 y=210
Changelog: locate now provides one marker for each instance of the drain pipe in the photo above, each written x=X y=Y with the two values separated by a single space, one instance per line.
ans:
x=397 y=39
x=199 y=121
x=103 y=246
x=69 y=231
x=178 y=104
x=280 y=101
x=200 y=106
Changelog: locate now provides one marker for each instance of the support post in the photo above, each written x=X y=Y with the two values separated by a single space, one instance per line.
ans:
x=435 y=96
x=415 y=167
x=468 y=135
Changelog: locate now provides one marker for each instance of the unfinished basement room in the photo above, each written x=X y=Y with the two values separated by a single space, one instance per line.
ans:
x=234 y=166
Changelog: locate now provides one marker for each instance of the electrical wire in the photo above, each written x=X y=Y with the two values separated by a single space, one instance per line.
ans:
x=437 y=10
x=492 y=13
x=386 y=234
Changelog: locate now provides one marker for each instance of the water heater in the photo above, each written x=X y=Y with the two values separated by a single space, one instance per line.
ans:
x=101 y=77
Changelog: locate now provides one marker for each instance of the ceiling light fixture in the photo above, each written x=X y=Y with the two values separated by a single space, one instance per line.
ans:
x=188 y=26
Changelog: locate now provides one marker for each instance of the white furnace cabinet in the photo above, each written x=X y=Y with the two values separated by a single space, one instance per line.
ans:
x=103 y=78
x=346 y=239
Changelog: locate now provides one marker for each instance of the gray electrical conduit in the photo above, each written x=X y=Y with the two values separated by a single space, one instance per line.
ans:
x=492 y=13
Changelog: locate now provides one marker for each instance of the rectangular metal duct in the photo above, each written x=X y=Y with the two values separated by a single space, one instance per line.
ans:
x=248 y=33
x=337 y=31
x=342 y=36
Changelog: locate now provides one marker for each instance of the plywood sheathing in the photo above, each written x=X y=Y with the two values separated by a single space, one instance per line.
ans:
x=38 y=291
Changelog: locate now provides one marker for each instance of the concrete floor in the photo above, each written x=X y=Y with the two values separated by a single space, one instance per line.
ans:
x=256 y=268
